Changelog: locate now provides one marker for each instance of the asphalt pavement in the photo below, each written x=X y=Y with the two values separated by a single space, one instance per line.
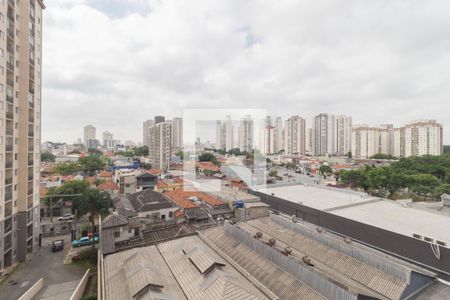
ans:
x=42 y=264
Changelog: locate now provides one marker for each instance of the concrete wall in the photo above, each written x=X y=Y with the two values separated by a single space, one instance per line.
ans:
x=400 y=245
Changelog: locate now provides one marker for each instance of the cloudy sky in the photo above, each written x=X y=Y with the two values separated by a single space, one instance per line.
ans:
x=115 y=63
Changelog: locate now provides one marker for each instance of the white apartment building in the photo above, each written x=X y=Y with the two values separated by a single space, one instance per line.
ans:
x=89 y=134
x=295 y=136
x=278 y=138
x=107 y=139
x=423 y=137
x=365 y=141
x=246 y=134
x=20 y=131
x=267 y=136
x=160 y=141
x=225 y=134
x=324 y=135
x=177 y=133
x=343 y=135
x=146 y=133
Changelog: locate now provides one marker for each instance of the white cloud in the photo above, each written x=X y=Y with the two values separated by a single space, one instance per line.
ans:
x=379 y=61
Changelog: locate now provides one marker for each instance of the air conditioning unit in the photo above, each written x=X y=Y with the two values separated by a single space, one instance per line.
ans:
x=417 y=236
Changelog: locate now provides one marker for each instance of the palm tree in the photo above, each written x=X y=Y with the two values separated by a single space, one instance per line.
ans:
x=95 y=203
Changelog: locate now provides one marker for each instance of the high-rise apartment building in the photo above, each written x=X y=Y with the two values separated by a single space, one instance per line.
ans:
x=107 y=139
x=332 y=135
x=324 y=135
x=246 y=137
x=295 y=136
x=145 y=132
x=20 y=133
x=267 y=136
x=160 y=142
x=343 y=135
x=159 y=119
x=424 y=137
x=177 y=133
x=278 y=138
x=414 y=139
x=225 y=134
x=89 y=134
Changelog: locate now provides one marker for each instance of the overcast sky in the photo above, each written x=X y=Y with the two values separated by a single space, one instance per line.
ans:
x=115 y=63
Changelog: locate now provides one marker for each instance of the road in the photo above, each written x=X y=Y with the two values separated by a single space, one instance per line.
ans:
x=42 y=264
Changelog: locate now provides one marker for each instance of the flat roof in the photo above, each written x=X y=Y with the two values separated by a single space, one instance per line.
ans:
x=382 y=213
x=390 y=215
x=323 y=198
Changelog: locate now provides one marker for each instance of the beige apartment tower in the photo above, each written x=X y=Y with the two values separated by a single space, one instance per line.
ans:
x=20 y=128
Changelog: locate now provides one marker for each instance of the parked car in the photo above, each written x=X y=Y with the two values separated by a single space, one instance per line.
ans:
x=66 y=217
x=84 y=241
x=57 y=245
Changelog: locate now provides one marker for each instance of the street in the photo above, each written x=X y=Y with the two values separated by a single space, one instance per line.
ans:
x=46 y=264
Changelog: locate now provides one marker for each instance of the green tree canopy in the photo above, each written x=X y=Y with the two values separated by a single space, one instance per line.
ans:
x=324 y=169
x=207 y=156
x=382 y=156
x=47 y=157
x=92 y=163
x=68 y=168
x=141 y=151
x=94 y=203
x=94 y=151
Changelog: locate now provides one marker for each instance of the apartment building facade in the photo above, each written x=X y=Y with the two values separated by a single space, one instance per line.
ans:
x=423 y=137
x=295 y=136
x=145 y=131
x=246 y=134
x=177 y=133
x=160 y=144
x=20 y=132
x=89 y=135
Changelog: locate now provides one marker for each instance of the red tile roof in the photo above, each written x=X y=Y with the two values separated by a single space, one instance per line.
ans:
x=154 y=171
x=181 y=198
x=207 y=165
x=104 y=174
x=107 y=186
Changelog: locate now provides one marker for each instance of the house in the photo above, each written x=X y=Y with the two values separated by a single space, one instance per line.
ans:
x=146 y=181
x=172 y=184
x=189 y=204
x=126 y=179
x=105 y=176
x=118 y=224
x=148 y=206
x=109 y=187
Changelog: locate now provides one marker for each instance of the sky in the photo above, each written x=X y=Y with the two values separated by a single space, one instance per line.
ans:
x=116 y=63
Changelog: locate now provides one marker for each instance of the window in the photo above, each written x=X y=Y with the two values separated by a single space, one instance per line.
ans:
x=427 y=239
x=417 y=236
x=116 y=234
x=170 y=214
x=441 y=243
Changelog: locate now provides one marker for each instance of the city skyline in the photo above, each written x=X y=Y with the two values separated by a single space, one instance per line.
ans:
x=372 y=72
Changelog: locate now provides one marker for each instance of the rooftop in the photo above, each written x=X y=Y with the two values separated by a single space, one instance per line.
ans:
x=107 y=186
x=146 y=200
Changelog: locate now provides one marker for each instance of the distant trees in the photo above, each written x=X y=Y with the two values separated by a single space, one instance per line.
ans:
x=382 y=156
x=446 y=149
x=207 y=156
x=94 y=151
x=92 y=163
x=68 y=168
x=47 y=157
x=141 y=151
x=426 y=177
x=325 y=170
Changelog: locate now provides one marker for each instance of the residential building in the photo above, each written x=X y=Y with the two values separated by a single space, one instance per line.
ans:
x=146 y=131
x=159 y=119
x=225 y=134
x=92 y=144
x=267 y=137
x=160 y=149
x=108 y=138
x=246 y=137
x=365 y=141
x=89 y=134
x=295 y=136
x=20 y=133
x=324 y=137
x=146 y=181
x=423 y=137
x=278 y=139
x=343 y=135
x=177 y=133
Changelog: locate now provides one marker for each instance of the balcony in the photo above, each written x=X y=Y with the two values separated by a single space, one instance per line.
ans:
x=9 y=148
x=9 y=115
x=9 y=181
x=8 y=196
x=30 y=201
x=30 y=118
x=10 y=30
x=11 y=2
x=8 y=225
x=30 y=162
x=9 y=131
x=30 y=147
x=30 y=177
x=30 y=134
x=9 y=66
x=30 y=191
x=8 y=164
x=7 y=243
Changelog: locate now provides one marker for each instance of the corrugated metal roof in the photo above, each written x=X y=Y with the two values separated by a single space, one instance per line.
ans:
x=347 y=270
x=222 y=282
x=276 y=280
x=139 y=271
x=202 y=260
x=114 y=220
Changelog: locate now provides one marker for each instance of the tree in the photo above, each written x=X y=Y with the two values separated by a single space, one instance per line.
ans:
x=424 y=184
x=47 y=157
x=141 y=151
x=440 y=190
x=68 y=168
x=129 y=153
x=73 y=187
x=324 y=169
x=207 y=156
x=273 y=173
x=94 y=151
x=93 y=202
x=446 y=149
x=382 y=156
x=92 y=163
x=180 y=154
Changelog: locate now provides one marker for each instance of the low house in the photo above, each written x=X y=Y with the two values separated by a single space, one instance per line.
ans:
x=118 y=224
x=146 y=181
x=189 y=204
x=109 y=187
x=148 y=206
x=105 y=176
x=172 y=184
x=126 y=179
